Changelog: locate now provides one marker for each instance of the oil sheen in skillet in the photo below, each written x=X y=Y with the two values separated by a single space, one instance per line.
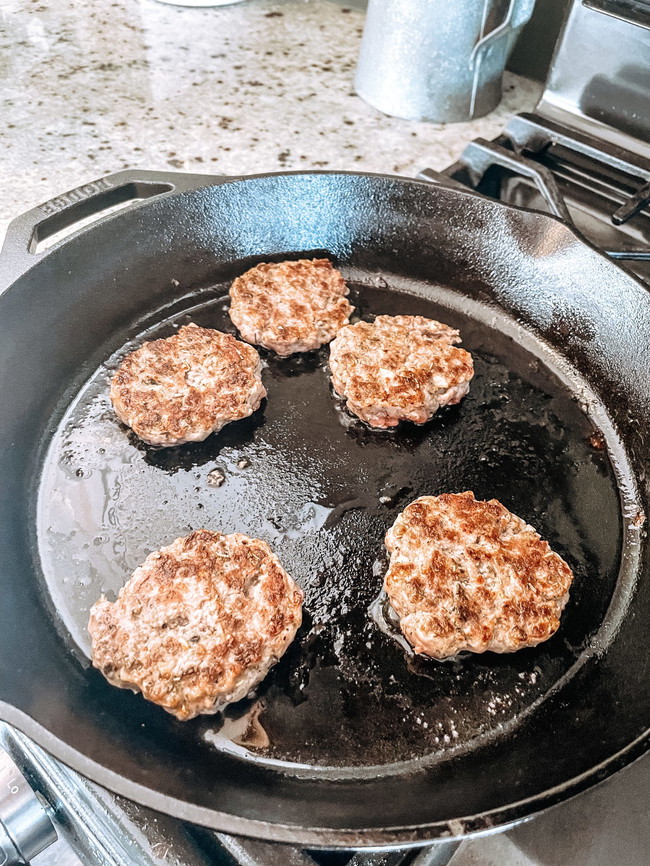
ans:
x=322 y=489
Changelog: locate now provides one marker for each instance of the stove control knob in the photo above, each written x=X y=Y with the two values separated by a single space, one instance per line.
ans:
x=25 y=826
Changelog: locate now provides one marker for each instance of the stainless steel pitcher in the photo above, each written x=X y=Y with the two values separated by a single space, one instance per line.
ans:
x=438 y=60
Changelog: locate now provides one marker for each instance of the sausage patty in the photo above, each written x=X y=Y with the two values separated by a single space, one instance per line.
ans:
x=399 y=368
x=290 y=306
x=185 y=387
x=470 y=575
x=199 y=623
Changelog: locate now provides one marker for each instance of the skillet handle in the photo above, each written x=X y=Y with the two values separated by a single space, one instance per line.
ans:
x=30 y=236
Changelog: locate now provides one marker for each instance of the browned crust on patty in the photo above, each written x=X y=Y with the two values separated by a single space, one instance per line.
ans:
x=292 y=306
x=185 y=387
x=399 y=368
x=470 y=575
x=199 y=623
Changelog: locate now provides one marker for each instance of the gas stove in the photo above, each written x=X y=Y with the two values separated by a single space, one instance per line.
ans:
x=583 y=156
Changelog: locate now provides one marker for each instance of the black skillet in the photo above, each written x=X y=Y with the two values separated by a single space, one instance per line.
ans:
x=350 y=741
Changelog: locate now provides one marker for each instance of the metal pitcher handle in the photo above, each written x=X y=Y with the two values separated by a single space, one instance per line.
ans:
x=519 y=11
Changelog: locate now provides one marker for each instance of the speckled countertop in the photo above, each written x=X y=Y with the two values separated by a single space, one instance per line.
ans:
x=90 y=87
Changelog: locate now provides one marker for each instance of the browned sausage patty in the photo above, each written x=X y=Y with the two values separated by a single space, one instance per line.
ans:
x=185 y=387
x=290 y=306
x=199 y=624
x=399 y=368
x=469 y=575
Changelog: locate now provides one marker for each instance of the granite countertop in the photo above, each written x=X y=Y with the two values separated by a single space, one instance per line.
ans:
x=90 y=88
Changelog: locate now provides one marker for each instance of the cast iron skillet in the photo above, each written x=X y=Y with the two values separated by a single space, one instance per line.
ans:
x=350 y=741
